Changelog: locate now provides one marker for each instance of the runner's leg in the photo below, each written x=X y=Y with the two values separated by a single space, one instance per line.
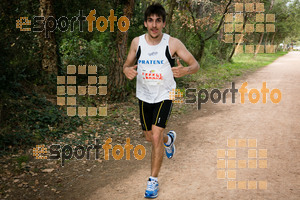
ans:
x=157 y=150
x=148 y=136
x=150 y=115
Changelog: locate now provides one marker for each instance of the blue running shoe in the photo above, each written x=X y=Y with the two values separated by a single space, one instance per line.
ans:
x=170 y=150
x=152 y=189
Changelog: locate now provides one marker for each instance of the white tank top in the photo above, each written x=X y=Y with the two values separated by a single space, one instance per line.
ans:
x=155 y=78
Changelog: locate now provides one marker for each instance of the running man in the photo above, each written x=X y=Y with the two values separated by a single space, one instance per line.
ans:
x=154 y=57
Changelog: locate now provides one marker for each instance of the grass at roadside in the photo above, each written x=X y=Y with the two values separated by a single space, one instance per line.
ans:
x=209 y=77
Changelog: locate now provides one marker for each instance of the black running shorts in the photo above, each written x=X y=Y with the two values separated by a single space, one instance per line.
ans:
x=155 y=113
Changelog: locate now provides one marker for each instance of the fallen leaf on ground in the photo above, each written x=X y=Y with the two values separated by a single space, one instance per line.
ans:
x=47 y=170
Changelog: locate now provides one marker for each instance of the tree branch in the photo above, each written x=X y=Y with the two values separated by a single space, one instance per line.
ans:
x=221 y=21
x=194 y=22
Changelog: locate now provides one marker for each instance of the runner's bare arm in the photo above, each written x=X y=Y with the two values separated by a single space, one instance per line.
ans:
x=128 y=68
x=180 y=50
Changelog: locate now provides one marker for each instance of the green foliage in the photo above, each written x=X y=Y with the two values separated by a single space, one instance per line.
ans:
x=34 y=120
x=78 y=51
x=21 y=159
x=287 y=20
x=19 y=52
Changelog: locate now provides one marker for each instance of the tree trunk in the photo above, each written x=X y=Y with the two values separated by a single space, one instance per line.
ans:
x=262 y=34
x=266 y=40
x=240 y=41
x=170 y=15
x=258 y=46
x=200 y=54
x=116 y=83
x=47 y=40
x=272 y=41
x=221 y=34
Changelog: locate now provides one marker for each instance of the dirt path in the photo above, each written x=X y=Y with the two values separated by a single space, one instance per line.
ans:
x=192 y=173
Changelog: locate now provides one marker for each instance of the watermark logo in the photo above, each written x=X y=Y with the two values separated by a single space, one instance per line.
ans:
x=68 y=152
x=107 y=146
x=216 y=95
x=63 y=23
x=153 y=53
x=67 y=90
x=235 y=31
x=23 y=21
x=39 y=151
x=228 y=164
x=176 y=95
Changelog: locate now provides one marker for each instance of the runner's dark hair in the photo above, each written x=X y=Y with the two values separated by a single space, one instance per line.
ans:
x=156 y=9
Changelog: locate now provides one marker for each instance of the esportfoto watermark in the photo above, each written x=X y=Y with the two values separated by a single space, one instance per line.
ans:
x=68 y=90
x=216 y=95
x=229 y=163
x=67 y=152
x=50 y=24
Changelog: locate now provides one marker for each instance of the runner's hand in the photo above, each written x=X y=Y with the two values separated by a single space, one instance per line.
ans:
x=179 y=71
x=130 y=72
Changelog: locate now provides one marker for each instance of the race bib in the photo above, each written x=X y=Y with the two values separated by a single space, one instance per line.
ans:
x=152 y=77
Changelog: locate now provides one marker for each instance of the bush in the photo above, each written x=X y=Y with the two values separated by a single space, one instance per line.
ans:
x=32 y=120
